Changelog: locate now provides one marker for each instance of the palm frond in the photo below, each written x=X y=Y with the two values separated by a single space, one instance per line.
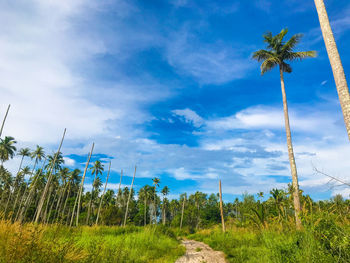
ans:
x=300 y=55
x=286 y=67
x=262 y=54
x=269 y=64
x=292 y=42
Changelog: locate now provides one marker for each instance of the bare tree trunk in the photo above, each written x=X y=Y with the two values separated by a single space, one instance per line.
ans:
x=182 y=211
x=293 y=167
x=104 y=191
x=336 y=64
x=3 y=122
x=81 y=186
x=221 y=209
x=127 y=204
x=42 y=199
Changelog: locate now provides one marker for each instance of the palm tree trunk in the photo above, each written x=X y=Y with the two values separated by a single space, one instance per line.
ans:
x=3 y=122
x=25 y=191
x=182 y=211
x=104 y=190
x=291 y=156
x=65 y=202
x=145 y=213
x=81 y=186
x=120 y=183
x=336 y=64
x=43 y=196
x=163 y=212
x=221 y=209
x=90 y=202
x=127 y=204
x=30 y=195
x=15 y=187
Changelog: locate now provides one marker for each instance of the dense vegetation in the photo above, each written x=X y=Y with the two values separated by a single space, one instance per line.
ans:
x=56 y=243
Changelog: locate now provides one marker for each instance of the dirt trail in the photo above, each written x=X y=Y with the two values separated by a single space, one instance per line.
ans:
x=198 y=252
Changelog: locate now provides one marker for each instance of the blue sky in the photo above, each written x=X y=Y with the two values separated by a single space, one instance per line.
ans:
x=171 y=86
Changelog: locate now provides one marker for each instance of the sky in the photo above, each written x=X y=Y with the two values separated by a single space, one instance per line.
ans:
x=170 y=86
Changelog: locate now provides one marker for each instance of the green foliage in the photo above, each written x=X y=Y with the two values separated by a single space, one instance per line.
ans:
x=37 y=243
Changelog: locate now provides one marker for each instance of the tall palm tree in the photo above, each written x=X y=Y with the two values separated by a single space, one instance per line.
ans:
x=165 y=192
x=7 y=149
x=277 y=53
x=96 y=169
x=156 y=182
x=336 y=64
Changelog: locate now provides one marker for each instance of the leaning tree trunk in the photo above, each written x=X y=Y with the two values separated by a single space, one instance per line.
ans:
x=221 y=209
x=334 y=58
x=104 y=191
x=293 y=167
x=3 y=122
x=81 y=187
x=127 y=203
x=43 y=196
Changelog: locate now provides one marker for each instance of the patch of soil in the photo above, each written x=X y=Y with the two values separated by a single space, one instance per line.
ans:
x=198 y=252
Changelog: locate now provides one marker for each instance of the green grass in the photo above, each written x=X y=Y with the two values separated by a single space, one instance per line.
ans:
x=32 y=243
x=253 y=246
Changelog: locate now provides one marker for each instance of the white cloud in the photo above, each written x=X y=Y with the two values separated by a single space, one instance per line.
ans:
x=190 y=116
x=208 y=63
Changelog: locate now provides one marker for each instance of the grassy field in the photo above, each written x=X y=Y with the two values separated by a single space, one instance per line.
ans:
x=37 y=243
x=326 y=242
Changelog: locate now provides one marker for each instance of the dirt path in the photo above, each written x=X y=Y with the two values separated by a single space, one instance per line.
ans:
x=198 y=252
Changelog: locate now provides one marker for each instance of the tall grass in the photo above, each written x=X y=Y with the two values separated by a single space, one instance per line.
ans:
x=325 y=241
x=54 y=243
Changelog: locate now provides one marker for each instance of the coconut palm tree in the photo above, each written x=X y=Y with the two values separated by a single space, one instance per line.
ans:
x=7 y=149
x=96 y=169
x=165 y=192
x=156 y=182
x=336 y=64
x=277 y=54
